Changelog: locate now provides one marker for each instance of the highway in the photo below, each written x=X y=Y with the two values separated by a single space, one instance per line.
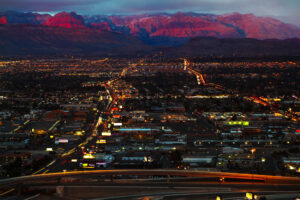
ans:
x=155 y=191
x=204 y=196
x=263 y=179
x=200 y=78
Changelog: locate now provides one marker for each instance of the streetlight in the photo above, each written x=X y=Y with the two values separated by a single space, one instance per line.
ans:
x=252 y=151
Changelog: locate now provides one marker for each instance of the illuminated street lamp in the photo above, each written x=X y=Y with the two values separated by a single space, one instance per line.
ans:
x=252 y=151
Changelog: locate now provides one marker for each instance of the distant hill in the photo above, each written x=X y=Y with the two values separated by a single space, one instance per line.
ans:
x=178 y=25
x=67 y=20
x=48 y=40
x=184 y=25
x=242 y=47
x=187 y=33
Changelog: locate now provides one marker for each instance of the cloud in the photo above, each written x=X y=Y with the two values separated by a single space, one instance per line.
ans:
x=287 y=10
x=44 y=5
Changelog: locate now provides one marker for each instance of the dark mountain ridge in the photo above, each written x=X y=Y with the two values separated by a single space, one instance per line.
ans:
x=231 y=47
x=48 y=40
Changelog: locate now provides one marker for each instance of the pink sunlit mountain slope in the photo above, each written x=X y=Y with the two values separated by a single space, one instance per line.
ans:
x=233 y=25
x=3 y=20
x=179 y=25
x=64 y=32
x=67 y=20
x=260 y=27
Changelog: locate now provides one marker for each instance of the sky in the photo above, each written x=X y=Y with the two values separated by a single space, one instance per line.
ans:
x=285 y=10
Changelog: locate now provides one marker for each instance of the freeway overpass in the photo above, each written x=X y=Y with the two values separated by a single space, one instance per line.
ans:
x=262 y=179
x=135 y=178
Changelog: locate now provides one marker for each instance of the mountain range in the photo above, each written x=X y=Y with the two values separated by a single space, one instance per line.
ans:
x=69 y=32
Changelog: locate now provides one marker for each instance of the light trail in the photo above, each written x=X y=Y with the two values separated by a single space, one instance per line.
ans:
x=32 y=197
x=263 y=179
x=39 y=171
x=52 y=127
x=6 y=192
x=200 y=78
x=51 y=163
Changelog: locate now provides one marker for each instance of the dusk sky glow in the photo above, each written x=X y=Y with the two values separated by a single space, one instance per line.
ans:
x=285 y=10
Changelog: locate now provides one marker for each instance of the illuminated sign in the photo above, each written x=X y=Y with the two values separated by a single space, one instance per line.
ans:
x=63 y=141
x=84 y=164
x=49 y=149
x=117 y=124
x=242 y=123
x=101 y=141
x=88 y=165
x=78 y=133
x=106 y=133
x=88 y=156
x=249 y=195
